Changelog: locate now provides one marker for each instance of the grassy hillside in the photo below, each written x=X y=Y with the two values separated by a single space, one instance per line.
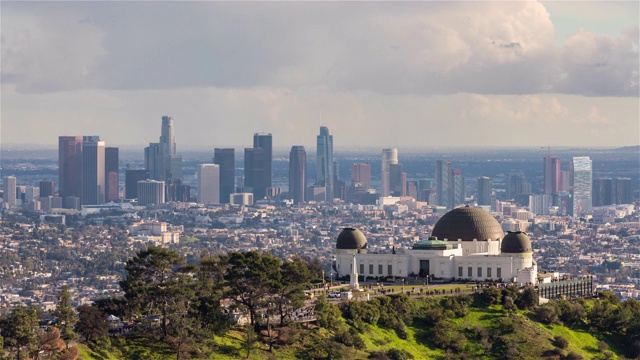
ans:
x=481 y=333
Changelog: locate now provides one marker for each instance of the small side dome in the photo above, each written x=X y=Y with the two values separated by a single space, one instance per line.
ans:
x=516 y=242
x=351 y=239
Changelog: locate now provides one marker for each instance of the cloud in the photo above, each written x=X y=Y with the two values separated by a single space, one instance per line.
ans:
x=389 y=48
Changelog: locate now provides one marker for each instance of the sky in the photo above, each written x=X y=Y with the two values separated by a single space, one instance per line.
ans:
x=378 y=74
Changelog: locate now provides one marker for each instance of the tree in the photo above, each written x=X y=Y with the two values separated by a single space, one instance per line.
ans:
x=65 y=316
x=295 y=274
x=92 y=323
x=250 y=278
x=151 y=282
x=48 y=343
x=250 y=339
x=21 y=330
x=208 y=290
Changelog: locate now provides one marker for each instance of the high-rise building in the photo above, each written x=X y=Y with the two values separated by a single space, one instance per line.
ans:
x=397 y=180
x=603 y=192
x=131 y=178
x=552 y=175
x=517 y=184
x=297 y=174
x=339 y=186
x=485 y=190
x=457 y=188
x=93 y=175
x=258 y=165
x=539 y=204
x=581 y=185
x=389 y=157
x=324 y=162
x=9 y=188
x=46 y=188
x=112 y=174
x=443 y=183
x=623 y=191
x=70 y=166
x=209 y=184
x=225 y=158
x=161 y=159
x=361 y=174
x=151 y=192
x=176 y=190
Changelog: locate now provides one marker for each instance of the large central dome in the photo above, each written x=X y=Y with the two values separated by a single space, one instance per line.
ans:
x=467 y=223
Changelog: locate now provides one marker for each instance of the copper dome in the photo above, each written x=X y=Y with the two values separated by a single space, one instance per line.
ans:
x=351 y=239
x=467 y=223
x=516 y=242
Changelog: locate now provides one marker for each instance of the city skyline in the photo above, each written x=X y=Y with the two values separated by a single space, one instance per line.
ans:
x=565 y=74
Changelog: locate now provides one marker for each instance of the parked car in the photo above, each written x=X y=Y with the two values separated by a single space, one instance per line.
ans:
x=333 y=295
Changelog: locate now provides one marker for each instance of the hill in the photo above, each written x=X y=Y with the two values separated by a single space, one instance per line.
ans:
x=436 y=328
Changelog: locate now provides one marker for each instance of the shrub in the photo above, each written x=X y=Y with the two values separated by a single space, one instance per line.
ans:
x=560 y=342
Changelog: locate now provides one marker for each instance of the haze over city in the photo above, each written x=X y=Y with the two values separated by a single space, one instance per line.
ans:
x=407 y=75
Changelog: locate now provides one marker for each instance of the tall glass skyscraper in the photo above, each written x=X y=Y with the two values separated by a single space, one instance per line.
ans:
x=324 y=162
x=581 y=184
x=257 y=166
x=161 y=159
x=297 y=174
x=389 y=157
x=443 y=183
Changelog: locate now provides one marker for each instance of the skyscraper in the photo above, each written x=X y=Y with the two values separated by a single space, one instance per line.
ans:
x=161 y=159
x=131 y=182
x=517 y=184
x=112 y=174
x=581 y=185
x=603 y=192
x=70 y=166
x=457 y=188
x=93 y=165
x=623 y=191
x=324 y=162
x=361 y=174
x=47 y=188
x=257 y=166
x=443 y=183
x=552 y=175
x=389 y=157
x=297 y=174
x=485 y=190
x=226 y=159
x=209 y=184
x=9 y=190
x=397 y=180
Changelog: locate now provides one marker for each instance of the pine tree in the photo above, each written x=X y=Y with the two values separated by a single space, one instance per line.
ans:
x=66 y=316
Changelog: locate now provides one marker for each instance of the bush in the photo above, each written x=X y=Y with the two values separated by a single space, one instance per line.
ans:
x=548 y=313
x=560 y=342
x=573 y=356
x=399 y=354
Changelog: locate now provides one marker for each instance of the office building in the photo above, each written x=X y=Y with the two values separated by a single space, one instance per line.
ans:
x=151 y=192
x=258 y=166
x=112 y=174
x=552 y=175
x=297 y=174
x=457 y=188
x=225 y=158
x=46 y=188
x=361 y=175
x=397 y=180
x=603 y=192
x=443 y=183
x=70 y=166
x=161 y=158
x=389 y=157
x=517 y=185
x=623 y=191
x=93 y=171
x=176 y=190
x=9 y=188
x=131 y=178
x=539 y=204
x=485 y=190
x=244 y=199
x=581 y=186
x=324 y=162
x=209 y=184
